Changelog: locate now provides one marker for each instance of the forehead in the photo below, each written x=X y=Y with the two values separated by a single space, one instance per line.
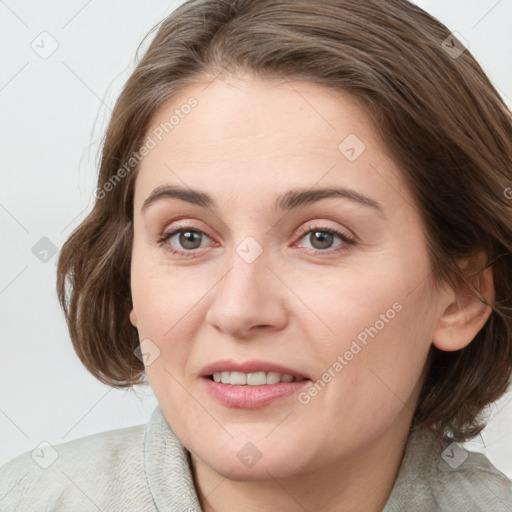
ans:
x=253 y=137
x=269 y=114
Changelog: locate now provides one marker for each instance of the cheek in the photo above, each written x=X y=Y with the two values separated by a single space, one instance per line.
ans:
x=166 y=303
x=166 y=300
x=372 y=334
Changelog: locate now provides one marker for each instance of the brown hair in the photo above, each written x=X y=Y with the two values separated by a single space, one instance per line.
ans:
x=436 y=111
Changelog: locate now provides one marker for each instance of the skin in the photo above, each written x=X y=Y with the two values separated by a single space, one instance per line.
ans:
x=247 y=142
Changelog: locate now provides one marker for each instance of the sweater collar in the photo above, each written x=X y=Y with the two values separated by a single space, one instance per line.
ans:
x=167 y=467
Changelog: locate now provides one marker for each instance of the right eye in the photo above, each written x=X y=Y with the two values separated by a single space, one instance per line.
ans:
x=186 y=237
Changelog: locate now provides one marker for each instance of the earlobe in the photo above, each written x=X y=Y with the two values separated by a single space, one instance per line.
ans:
x=133 y=318
x=466 y=314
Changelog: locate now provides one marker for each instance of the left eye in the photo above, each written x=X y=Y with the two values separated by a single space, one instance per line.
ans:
x=322 y=238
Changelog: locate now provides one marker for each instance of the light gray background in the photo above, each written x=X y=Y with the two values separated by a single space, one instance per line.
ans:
x=54 y=111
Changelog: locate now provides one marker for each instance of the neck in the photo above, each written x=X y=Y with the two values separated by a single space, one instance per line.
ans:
x=361 y=481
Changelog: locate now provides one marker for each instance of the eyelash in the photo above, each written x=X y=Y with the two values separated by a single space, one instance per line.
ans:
x=303 y=231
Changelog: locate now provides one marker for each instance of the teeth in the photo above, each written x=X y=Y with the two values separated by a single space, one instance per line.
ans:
x=256 y=379
x=273 y=378
x=238 y=378
x=252 y=379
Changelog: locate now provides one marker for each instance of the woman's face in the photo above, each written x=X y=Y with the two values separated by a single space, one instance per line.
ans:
x=274 y=276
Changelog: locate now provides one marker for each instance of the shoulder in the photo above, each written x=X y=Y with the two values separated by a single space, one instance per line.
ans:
x=444 y=476
x=81 y=474
x=465 y=478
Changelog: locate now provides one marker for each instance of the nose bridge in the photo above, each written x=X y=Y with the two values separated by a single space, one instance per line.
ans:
x=247 y=296
x=247 y=279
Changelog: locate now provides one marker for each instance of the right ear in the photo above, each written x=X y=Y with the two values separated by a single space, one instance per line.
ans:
x=133 y=318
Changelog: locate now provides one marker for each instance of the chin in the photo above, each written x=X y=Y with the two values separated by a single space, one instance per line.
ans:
x=277 y=467
x=245 y=462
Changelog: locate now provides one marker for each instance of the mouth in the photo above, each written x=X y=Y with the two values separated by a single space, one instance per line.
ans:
x=251 y=384
x=251 y=373
x=253 y=378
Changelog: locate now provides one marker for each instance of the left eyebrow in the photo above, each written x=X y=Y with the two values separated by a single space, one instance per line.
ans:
x=291 y=200
x=295 y=198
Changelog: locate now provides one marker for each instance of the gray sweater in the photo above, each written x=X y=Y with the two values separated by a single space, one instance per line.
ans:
x=146 y=469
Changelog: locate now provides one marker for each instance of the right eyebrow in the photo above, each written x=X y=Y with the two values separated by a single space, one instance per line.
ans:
x=185 y=194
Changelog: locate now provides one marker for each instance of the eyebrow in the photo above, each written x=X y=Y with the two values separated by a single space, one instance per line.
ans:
x=291 y=200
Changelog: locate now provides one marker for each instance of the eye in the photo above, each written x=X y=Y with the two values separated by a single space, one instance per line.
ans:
x=186 y=237
x=321 y=238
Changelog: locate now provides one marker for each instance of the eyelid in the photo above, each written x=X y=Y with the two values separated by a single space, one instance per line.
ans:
x=183 y=225
x=317 y=226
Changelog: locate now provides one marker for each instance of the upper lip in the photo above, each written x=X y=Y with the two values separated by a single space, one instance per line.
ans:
x=252 y=366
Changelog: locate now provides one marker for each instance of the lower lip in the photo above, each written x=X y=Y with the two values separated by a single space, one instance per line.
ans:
x=251 y=397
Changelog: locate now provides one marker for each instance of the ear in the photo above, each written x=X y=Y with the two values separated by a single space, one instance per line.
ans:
x=466 y=314
x=133 y=318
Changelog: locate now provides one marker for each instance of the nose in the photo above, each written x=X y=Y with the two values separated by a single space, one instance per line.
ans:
x=249 y=297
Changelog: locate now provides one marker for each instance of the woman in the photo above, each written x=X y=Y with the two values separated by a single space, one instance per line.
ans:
x=281 y=243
